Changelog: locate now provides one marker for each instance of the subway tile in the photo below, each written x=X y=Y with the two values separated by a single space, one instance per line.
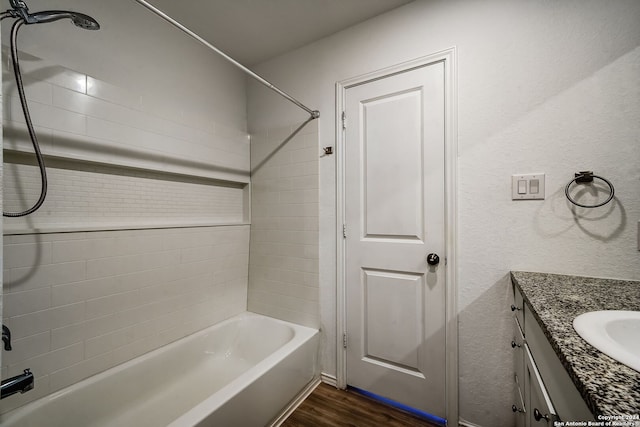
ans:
x=67 y=315
x=35 y=90
x=28 y=347
x=138 y=244
x=108 y=92
x=16 y=137
x=107 y=342
x=81 y=291
x=79 y=371
x=100 y=326
x=49 y=117
x=71 y=250
x=30 y=324
x=104 y=267
x=135 y=309
x=99 y=307
x=67 y=335
x=25 y=302
x=47 y=319
x=52 y=361
x=31 y=254
x=68 y=79
x=135 y=349
x=39 y=276
x=68 y=293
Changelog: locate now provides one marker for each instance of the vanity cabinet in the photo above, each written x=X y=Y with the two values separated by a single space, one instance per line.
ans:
x=544 y=391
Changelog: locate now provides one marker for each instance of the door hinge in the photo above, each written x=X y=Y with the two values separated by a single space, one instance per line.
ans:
x=344 y=120
x=344 y=231
x=344 y=340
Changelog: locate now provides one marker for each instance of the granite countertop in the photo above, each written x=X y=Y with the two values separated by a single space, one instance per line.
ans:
x=607 y=386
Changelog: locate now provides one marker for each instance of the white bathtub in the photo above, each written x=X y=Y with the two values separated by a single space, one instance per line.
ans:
x=241 y=372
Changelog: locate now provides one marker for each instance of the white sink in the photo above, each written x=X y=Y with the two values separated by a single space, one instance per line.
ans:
x=616 y=333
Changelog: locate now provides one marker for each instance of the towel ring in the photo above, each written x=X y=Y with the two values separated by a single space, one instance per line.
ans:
x=584 y=177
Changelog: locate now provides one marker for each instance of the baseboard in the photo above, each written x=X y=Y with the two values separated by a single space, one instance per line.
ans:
x=296 y=402
x=464 y=423
x=329 y=379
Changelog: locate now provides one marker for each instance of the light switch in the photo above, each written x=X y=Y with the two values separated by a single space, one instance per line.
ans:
x=522 y=186
x=527 y=186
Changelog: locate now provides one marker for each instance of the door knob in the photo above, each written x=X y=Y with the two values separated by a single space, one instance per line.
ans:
x=433 y=259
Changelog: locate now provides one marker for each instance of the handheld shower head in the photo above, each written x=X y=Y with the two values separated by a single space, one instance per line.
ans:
x=79 y=19
x=84 y=21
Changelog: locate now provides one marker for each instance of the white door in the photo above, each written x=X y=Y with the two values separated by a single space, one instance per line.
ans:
x=394 y=211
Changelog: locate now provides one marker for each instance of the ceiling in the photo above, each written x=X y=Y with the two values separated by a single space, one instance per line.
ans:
x=252 y=31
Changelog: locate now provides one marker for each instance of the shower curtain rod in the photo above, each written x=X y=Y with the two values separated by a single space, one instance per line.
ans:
x=314 y=113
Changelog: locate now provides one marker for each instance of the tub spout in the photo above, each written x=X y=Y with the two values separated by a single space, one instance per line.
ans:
x=19 y=384
x=6 y=338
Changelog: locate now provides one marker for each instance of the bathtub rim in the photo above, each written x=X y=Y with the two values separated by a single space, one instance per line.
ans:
x=301 y=335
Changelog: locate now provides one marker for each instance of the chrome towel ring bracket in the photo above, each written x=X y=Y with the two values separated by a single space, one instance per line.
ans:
x=586 y=177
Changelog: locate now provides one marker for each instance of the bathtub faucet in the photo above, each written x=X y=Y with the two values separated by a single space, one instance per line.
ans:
x=6 y=337
x=19 y=384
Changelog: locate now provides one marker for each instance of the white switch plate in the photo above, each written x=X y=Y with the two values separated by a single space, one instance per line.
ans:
x=531 y=192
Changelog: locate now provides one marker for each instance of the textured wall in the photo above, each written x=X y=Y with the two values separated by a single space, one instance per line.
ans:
x=542 y=87
x=283 y=268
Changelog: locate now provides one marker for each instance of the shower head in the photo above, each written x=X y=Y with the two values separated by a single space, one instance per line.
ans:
x=79 y=19
x=21 y=11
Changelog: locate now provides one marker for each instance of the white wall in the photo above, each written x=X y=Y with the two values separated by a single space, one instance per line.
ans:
x=144 y=236
x=542 y=87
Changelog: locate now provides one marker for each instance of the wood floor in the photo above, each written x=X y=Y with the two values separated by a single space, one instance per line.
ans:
x=328 y=406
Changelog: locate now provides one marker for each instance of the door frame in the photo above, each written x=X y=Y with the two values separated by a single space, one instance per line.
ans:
x=448 y=57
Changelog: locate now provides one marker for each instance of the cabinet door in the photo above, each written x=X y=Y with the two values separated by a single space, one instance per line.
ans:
x=540 y=411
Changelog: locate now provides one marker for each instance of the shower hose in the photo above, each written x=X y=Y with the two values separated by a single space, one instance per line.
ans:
x=27 y=117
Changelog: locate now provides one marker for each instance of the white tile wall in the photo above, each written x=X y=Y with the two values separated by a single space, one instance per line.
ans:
x=93 y=196
x=80 y=117
x=283 y=268
x=79 y=303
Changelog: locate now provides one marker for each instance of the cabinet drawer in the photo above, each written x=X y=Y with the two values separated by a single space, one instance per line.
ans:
x=540 y=410
x=567 y=400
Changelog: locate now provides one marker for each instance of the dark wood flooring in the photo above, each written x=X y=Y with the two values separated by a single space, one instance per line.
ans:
x=328 y=406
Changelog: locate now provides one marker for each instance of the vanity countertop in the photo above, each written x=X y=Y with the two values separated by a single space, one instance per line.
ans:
x=607 y=386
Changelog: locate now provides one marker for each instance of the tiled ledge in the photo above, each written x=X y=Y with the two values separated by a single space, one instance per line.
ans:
x=78 y=228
